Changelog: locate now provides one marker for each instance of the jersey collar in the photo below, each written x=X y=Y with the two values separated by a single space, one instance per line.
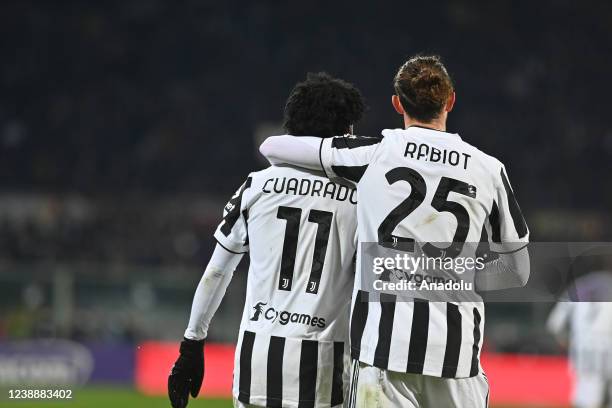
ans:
x=424 y=130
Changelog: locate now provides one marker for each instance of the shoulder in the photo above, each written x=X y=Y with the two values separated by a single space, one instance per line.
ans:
x=261 y=179
x=260 y=176
x=354 y=141
x=393 y=132
x=282 y=170
x=244 y=190
x=491 y=163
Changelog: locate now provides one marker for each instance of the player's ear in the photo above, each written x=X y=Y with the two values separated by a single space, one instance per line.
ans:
x=450 y=103
x=397 y=104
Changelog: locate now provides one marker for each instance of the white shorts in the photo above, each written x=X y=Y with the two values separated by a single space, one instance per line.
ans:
x=592 y=391
x=239 y=404
x=372 y=387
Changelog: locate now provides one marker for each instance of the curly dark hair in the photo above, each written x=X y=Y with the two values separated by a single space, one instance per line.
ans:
x=423 y=86
x=322 y=106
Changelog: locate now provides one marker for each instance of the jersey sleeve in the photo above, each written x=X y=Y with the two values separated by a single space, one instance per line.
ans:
x=301 y=151
x=210 y=291
x=347 y=157
x=507 y=227
x=232 y=232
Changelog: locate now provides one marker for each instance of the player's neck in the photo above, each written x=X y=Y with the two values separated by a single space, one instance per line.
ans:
x=436 y=124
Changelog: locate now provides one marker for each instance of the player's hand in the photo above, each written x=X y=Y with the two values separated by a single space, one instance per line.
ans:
x=187 y=373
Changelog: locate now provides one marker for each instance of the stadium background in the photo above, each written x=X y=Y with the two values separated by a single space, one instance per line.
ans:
x=126 y=125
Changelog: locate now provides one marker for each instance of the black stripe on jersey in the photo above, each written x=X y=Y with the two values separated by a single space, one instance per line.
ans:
x=352 y=142
x=321 y=158
x=352 y=173
x=292 y=229
x=475 y=364
x=358 y=322
x=337 y=393
x=495 y=225
x=323 y=219
x=245 y=215
x=453 y=341
x=385 y=328
x=234 y=213
x=308 y=373
x=274 y=388
x=246 y=353
x=418 y=337
x=515 y=210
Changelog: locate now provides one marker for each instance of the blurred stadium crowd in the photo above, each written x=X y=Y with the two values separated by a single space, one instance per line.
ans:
x=125 y=125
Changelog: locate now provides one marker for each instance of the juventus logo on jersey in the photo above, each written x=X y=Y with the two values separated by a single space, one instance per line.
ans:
x=312 y=287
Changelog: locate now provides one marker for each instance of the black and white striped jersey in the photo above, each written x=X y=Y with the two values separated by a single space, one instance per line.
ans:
x=299 y=229
x=426 y=186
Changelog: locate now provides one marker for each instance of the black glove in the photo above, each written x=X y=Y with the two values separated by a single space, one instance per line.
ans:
x=187 y=373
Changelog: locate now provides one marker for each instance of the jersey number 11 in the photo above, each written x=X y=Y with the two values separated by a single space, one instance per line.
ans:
x=293 y=215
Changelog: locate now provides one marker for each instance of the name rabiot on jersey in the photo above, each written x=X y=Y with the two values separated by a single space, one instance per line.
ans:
x=426 y=186
x=299 y=229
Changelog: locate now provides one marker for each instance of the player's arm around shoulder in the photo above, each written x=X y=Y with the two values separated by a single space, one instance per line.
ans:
x=348 y=157
x=302 y=151
x=348 y=152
